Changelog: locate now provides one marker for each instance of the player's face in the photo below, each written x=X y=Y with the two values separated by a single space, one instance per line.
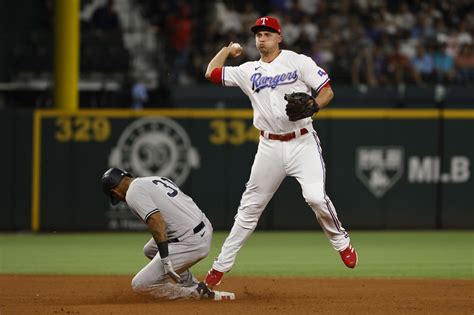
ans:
x=267 y=42
x=118 y=193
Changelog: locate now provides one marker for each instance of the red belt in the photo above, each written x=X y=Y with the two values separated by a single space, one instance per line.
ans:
x=286 y=136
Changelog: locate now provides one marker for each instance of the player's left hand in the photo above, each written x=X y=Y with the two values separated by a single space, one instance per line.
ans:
x=300 y=105
x=169 y=270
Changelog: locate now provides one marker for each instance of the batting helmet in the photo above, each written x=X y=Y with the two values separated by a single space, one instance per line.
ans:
x=110 y=180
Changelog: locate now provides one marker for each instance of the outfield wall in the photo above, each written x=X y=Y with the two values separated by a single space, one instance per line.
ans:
x=385 y=168
x=15 y=159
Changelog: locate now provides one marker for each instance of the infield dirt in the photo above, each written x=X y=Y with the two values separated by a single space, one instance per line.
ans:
x=20 y=294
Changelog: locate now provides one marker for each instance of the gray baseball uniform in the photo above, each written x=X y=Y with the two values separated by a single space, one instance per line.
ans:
x=189 y=233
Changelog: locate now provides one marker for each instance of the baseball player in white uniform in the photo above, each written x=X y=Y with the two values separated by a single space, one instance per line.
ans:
x=181 y=232
x=286 y=147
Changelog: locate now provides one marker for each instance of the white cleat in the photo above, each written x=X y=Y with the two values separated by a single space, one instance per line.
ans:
x=222 y=296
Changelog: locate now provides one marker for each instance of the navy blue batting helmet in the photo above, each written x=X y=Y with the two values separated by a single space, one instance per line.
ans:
x=110 y=180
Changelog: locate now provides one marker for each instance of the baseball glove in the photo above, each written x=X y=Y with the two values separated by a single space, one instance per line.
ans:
x=300 y=105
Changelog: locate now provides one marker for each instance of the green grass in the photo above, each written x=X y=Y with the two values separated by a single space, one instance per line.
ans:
x=400 y=254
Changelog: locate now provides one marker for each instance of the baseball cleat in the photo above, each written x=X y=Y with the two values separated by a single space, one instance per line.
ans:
x=204 y=292
x=213 y=278
x=223 y=296
x=349 y=256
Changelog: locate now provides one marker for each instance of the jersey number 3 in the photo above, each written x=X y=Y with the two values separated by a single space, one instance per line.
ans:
x=168 y=184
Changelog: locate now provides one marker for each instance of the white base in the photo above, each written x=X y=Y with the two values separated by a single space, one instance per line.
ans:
x=222 y=296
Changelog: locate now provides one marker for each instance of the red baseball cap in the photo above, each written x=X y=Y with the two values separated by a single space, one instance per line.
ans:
x=266 y=23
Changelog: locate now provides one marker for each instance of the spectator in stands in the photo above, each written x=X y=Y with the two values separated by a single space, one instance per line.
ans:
x=457 y=37
x=105 y=18
x=321 y=53
x=443 y=65
x=309 y=29
x=179 y=29
x=400 y=67
x=249 y=16
x=308 y=7
x=228 y=17
x=465 y=63
x=388 y=20
x=404 y=19
x=292 y=30
x=363 y=68
x=464 y=35
x=333 y=29
x=423 y=63
x=380 y=64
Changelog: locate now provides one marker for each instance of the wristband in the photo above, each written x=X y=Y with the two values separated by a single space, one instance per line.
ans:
x=163 y=249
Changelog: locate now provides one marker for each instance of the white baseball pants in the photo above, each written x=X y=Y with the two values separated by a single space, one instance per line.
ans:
x=301 y=158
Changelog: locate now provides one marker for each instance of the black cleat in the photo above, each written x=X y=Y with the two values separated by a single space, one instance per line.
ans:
x=204 y=291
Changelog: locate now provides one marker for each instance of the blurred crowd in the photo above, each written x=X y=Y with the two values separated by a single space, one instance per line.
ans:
x=361 y=42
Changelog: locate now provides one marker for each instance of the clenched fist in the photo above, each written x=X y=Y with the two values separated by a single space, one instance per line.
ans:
x=235 y=49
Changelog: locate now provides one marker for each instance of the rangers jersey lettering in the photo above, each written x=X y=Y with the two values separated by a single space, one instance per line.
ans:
x=267 y=83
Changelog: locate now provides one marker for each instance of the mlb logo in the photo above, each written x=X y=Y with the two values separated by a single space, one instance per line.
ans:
x=379 y=168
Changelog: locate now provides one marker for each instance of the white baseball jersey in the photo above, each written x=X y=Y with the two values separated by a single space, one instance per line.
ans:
x=267 y=83
x=147 y=195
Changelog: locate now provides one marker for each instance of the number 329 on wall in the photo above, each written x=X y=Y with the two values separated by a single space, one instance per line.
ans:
x=82 y=129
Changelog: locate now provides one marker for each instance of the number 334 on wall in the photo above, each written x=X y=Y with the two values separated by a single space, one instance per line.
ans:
x=82 y=129
x=235 y=132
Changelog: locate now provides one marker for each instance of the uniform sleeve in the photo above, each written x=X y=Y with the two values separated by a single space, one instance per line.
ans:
x=139 y=200
x=233 y=76
x=314 y=76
